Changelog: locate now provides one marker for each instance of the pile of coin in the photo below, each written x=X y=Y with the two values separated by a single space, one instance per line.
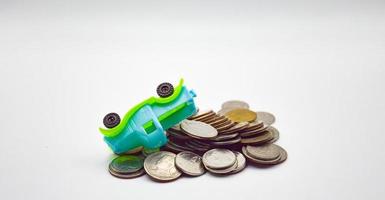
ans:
x=219 y=143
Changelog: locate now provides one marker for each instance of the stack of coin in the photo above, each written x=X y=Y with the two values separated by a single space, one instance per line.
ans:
x=127 y=166
x=213 y=141
x=268 y=154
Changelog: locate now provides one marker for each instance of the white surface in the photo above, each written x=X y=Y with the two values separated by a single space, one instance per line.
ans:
x=318 y=66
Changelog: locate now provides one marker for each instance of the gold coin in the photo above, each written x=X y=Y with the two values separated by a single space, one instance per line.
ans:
x=241 y=115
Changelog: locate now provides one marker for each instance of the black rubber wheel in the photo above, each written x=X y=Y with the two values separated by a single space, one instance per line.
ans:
x=165 y=90
x=111 y=120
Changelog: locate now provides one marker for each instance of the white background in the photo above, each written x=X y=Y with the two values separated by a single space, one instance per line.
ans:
x=318 y=66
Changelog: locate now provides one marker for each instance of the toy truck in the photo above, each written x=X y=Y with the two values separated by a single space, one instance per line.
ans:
x=145 y=124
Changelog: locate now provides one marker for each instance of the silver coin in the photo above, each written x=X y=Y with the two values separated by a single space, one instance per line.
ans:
x=283 y=156
x=237 y=128
x=254 y=126
x=251 y=134
x=189 y=163
x=194 y=144
x=275 y=134
x=254 y=132
x=126 y=164
x=202 y=114
x=146 y=152
x=265 y=152
x=223 y=123
x=258 y=161
x=206 y=118
x=227 y=142
x=178 y=135
x=216 y=119
x=265 y=117
x=198 y=129
x=225 y=137
x=224 y=111
x=219 y=158
x=126 y=176
x=179 y=145
x=172 y=148
x=223 y=171
x=226 y=127
x=161 y=166
x=241 y=162
x=260 y=139
x=195 y=147
x=200 y=143
x=235 y=104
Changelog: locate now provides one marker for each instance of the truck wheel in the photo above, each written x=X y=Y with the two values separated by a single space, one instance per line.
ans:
x=111 y=120
x=165 y=90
